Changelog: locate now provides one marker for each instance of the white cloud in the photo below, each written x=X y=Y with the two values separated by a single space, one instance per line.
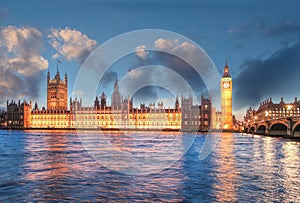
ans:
x=174 y=46
x=21 y=62
x=185 y=50
x=141 y=52
x=71 y=44
x=134 y=73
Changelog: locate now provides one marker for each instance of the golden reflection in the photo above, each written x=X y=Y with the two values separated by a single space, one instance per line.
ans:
x=47 y=159
x=269 y=154
x=226 y=176
x=290 y=171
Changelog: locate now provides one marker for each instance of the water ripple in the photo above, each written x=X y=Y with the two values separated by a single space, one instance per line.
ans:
x=54 y=166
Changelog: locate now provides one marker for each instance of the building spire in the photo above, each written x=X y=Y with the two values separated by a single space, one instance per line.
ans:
x=48 y=75
x=226 y=70
x=116 y=87
x=116 y=82
x=57 y=76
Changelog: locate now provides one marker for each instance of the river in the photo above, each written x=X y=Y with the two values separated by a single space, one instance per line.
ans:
x=55 y=166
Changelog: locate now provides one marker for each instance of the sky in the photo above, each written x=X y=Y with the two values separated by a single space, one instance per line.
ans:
x=259 y=38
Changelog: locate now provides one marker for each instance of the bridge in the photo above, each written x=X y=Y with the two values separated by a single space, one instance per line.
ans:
x=289 y=126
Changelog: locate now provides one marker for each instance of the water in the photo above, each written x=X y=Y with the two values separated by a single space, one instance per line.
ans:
x=54 y=166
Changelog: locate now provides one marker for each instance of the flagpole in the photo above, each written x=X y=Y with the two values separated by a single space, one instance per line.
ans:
x=57 y=64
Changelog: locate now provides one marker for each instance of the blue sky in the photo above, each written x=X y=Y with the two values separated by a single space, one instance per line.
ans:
x=255 y=36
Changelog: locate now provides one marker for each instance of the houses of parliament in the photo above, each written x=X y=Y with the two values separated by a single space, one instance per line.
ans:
x=121 y=114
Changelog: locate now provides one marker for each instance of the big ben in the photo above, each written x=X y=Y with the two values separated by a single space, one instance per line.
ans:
x=226 y=99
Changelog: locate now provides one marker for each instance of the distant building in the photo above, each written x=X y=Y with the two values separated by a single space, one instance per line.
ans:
x=216 y=119
x=190 y=118
x=268 y=110
x=18 y=114
x=205 y=114
x=3 y=118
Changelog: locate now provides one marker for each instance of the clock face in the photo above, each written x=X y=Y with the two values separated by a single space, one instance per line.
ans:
x=226 y=85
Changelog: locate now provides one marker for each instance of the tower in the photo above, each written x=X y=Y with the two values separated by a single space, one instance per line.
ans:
x=116 y=99
x=103 y=100
x=226 y=98
x=177 y=103
x=57 y=92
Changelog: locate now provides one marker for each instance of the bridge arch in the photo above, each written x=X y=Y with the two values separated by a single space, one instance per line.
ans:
x=252 y=129
x=296 y=129
x=278 y=128
x=261 y=129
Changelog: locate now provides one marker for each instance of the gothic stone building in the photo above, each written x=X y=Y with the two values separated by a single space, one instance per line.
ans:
x=120 y=115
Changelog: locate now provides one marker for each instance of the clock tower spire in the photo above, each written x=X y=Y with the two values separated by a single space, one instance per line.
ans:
x=226 y=99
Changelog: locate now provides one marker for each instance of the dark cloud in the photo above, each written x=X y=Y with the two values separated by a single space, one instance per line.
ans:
x=151 y=94
x=163 y=68
x=174 y=63
x=262 y=78
x=183 y=69
x=108 y=78
x=285 y=30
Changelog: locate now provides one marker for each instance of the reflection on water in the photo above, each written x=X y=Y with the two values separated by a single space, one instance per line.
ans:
x=225 y=171
x=54 y=166
x=136 y=153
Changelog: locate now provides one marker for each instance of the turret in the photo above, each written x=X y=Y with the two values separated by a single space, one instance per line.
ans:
x=281 y=100
x=103 y=100
x=96 y=103
x=48 y=76
x=66 y=78
x=177 y=103
x=57 y=76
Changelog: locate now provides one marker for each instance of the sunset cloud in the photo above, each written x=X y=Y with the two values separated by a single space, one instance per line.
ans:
x=71 y=44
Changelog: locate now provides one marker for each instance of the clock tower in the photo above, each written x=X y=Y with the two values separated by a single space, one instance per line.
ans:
x=226 y=99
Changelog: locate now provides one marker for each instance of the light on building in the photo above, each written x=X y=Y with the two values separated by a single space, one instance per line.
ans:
x=266 y=113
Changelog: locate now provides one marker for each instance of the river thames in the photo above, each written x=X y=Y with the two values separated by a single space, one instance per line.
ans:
x=55 y=166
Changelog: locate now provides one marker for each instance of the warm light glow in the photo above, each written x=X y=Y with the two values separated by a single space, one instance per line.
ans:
x=289 y=107
x=267 y=113
x=164 y=119
x=226 y=102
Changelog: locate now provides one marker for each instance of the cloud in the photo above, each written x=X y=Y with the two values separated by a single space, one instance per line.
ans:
x=71 y=44
x=171 y=48
x=261 y=79
x=165 y=56
x=21 y=62
x=141 y=52
x=280 y=30
x=108 y=78
x=149 y=94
